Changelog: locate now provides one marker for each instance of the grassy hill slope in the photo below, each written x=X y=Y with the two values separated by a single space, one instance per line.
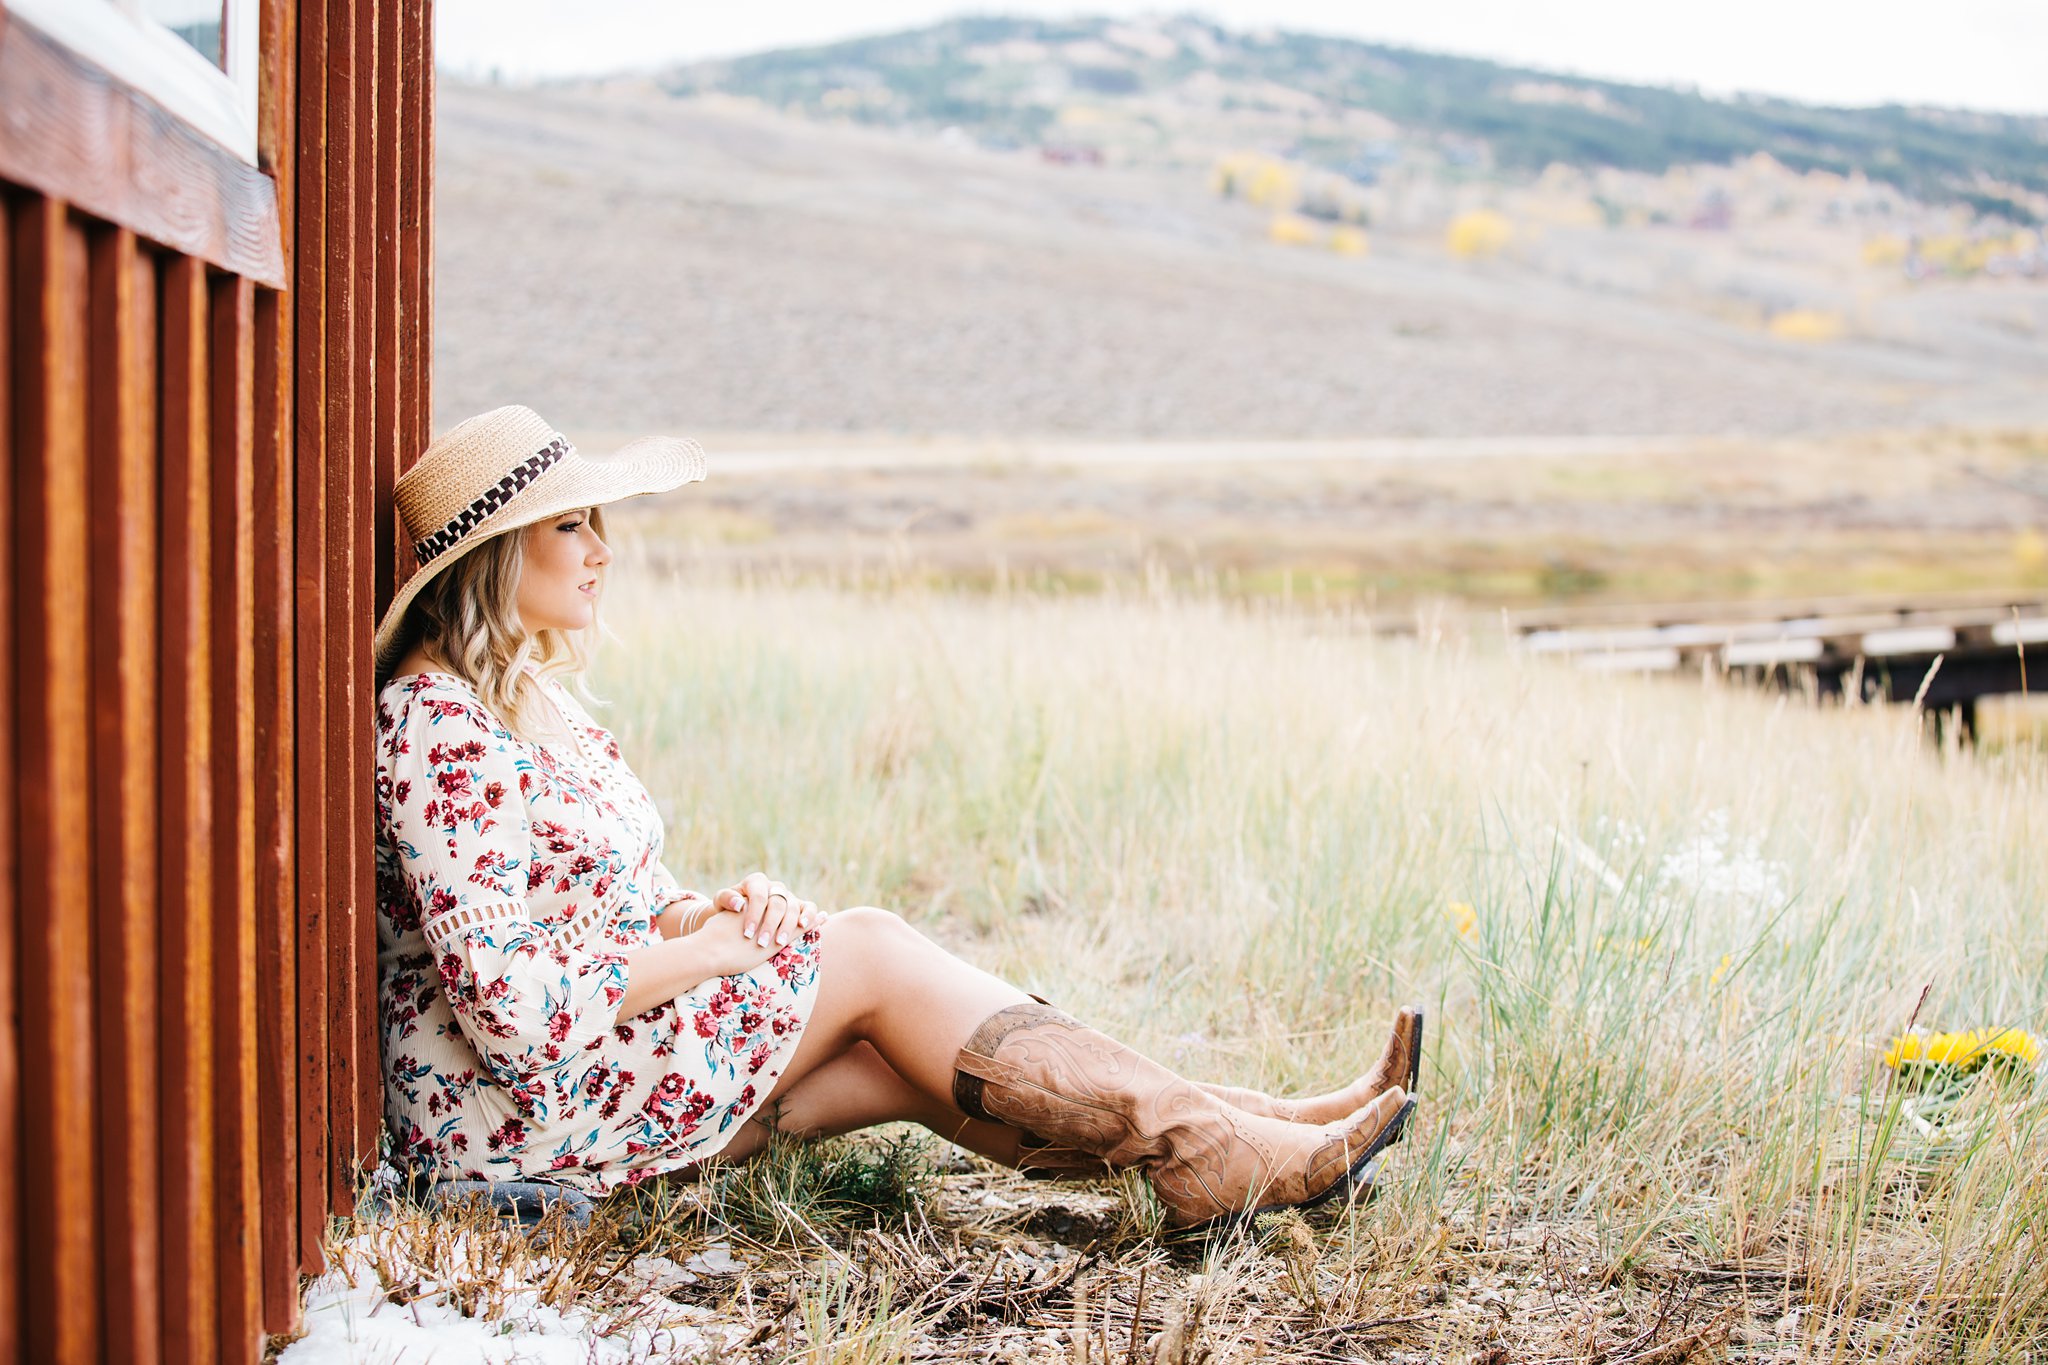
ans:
x=1006 y=80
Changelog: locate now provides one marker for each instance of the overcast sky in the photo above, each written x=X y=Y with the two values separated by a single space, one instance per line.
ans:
x=1974 y=54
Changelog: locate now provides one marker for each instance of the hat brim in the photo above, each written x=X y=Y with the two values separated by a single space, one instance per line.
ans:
x=655 y=464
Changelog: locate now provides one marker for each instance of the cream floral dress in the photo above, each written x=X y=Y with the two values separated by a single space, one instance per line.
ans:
x=512 y=878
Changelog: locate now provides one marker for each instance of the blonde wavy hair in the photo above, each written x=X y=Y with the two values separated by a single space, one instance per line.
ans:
x=469 y=618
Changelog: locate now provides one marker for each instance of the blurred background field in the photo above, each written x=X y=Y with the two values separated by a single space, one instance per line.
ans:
x=1065 y=296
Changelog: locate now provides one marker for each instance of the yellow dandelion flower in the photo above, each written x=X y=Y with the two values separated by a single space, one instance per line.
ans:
x=1465 y=920
x=1965 y=1051
x=2012 y=1042
x=1904 y=1049
x=1950 y=1049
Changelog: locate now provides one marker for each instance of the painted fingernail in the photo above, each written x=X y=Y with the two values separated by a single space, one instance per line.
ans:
x=782 y=937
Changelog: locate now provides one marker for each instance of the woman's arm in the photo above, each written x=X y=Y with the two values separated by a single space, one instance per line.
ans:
x=685 y=915
x=662 y=971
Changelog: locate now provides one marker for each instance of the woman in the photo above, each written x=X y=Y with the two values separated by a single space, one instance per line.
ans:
x=553 y=1005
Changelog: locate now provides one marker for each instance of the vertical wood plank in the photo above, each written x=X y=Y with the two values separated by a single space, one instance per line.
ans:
x=380 y=273
x=231 y=354
x=310 y=637
x=425 y=180
x=186 y=835
x=388 y=262
x=123 y=620
x=10 y=1038
x=275 y=757
x=346 y=332
x=276 y=754
x=363 y=529
x=414 y=211
x=60 y=1196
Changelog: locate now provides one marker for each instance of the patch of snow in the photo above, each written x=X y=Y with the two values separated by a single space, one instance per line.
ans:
x=353 y=1318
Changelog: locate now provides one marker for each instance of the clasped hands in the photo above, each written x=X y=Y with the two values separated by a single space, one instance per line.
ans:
x=768 y=916
x=768 y=912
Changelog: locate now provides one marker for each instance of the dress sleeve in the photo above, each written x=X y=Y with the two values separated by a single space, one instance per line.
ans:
x=526 y=1000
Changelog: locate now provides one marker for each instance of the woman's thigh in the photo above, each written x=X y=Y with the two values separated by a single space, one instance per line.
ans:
x=846 y=990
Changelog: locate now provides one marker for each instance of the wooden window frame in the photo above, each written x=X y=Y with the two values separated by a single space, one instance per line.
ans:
x=80 y=133
x=147 y=57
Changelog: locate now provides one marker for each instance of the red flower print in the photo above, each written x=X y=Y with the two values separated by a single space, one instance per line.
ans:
x=510 y=1133
x=490 y=868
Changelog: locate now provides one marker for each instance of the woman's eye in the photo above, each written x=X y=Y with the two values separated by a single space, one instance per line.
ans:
x=570 y=526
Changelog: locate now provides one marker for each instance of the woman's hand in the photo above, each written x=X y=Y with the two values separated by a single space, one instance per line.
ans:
x=724 y=951
x=768 y=912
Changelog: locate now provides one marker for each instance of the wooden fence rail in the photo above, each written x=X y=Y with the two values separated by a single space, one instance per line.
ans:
x=202 y=427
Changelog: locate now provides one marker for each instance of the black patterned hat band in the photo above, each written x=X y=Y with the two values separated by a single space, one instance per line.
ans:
x=492 y=499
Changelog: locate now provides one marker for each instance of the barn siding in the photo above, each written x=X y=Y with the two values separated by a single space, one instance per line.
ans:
x=198 y=533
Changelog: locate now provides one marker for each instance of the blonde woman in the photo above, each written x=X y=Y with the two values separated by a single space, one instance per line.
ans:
x=554 y=1006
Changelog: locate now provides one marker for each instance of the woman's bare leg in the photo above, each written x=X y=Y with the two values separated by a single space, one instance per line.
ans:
x=883 y=983
x=855 y=1090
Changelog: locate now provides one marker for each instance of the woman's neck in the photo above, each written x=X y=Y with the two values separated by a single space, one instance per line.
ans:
x=420 y=659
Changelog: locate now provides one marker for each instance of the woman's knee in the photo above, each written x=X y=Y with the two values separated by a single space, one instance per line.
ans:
x=867 y=924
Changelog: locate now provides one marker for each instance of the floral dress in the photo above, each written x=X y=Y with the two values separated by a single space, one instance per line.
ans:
x=512 y=879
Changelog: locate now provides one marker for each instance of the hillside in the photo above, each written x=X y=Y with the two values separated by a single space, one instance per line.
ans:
x=626 y=260
x=1354 y=107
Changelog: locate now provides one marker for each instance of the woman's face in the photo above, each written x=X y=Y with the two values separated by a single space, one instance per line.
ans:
x=561 y=573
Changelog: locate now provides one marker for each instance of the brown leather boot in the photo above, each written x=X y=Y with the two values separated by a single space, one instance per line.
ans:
x=1038 y=1070
x=1400 y=1064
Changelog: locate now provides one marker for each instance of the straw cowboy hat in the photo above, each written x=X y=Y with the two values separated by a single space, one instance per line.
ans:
x=503 y=470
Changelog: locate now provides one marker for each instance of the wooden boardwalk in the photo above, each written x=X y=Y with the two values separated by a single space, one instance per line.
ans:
x=1942 y=652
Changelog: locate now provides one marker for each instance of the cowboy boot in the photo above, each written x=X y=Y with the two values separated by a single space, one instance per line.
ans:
x=1400 y=1064
x=1038 y=1070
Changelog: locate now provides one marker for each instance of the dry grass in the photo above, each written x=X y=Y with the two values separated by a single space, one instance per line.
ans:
x=1899 y=515
x=1654 y=1127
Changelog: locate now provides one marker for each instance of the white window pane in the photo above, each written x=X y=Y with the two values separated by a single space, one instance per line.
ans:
x=199 y=22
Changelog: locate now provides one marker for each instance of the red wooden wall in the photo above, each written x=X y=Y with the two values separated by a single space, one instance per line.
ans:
x=210 y=374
